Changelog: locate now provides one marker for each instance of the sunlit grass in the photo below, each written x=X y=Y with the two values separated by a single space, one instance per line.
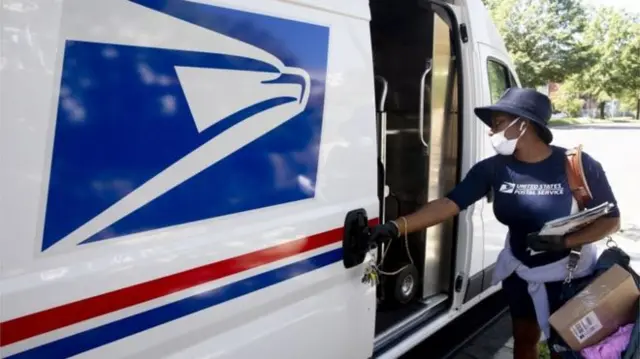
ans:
x=544 y=351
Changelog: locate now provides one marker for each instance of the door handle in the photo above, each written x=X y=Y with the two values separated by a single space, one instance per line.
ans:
x=385 y=91
x=421 y=114
x=356 y=240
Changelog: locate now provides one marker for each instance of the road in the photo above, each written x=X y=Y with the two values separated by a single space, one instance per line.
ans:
x=616 y=147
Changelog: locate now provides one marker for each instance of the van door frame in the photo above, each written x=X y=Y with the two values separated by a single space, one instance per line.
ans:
x=452 y=14
x=495 y=232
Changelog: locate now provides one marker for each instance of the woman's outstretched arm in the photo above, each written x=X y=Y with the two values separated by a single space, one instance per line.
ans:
x=474 y=186
x=432 y=213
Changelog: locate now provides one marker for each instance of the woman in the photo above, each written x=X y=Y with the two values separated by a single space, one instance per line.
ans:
x=528 y=177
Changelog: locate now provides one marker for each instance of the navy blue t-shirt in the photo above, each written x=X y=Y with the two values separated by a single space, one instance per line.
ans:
x=527 y=195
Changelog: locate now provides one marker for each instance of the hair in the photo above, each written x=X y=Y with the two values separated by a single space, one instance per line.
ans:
x=539 y=130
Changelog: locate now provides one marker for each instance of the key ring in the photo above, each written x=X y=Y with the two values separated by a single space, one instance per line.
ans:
x=569 y=277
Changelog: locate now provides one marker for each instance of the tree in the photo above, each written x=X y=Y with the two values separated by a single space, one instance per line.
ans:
x=610 y=37
x=567 y=100
x=543 y=37
x=630 y=67
x=629 y=103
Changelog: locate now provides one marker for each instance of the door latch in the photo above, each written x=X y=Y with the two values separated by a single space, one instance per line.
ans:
x=356 y=238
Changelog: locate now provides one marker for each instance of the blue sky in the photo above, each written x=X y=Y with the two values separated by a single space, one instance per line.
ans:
x=629 y=5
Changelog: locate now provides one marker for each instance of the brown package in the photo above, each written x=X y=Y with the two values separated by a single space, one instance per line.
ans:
x=608 y=303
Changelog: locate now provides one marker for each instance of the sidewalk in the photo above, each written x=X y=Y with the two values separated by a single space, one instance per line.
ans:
x=494 y=343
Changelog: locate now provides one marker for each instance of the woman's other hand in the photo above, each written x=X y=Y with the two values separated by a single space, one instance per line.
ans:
x=542 y=243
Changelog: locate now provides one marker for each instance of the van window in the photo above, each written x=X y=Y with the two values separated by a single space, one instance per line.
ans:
x=500 y=79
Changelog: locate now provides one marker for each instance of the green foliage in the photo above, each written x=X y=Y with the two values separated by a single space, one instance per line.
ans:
x=569 y=104
x=609 y=36
x=594 y=51
x=630 y=68
x=543 y=350
x=542 y=37
x=614 y=40
x=628 y=101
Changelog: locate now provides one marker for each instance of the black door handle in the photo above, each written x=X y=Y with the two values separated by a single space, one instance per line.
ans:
x=356 y=238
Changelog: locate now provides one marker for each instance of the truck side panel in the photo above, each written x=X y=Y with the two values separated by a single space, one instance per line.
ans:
x=175 y=177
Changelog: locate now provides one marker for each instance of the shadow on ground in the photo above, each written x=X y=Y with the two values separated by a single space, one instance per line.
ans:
x=494 y=343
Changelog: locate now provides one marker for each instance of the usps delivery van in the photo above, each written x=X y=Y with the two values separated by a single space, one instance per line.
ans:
x=196 y=178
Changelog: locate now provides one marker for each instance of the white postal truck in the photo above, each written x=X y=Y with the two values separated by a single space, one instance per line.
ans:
x=193 y=178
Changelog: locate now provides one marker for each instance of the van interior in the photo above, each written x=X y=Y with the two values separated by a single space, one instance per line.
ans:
x=418 y=124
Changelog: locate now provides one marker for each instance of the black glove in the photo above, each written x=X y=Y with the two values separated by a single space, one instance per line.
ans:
x=542 y=243
x=384 y=232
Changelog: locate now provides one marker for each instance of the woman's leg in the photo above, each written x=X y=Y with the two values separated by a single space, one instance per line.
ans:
x=526 y=331
x=526 y=335
x=554 y=290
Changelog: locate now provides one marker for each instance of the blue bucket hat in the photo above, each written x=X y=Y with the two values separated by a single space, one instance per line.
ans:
x=522 y=102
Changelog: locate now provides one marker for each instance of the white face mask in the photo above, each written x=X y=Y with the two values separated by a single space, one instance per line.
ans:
x=503 y=145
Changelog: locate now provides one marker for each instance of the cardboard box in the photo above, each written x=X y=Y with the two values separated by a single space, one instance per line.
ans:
x=609 y=302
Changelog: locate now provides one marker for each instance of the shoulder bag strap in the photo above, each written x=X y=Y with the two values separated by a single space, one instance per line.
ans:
x=576 y=178
x=580 y=191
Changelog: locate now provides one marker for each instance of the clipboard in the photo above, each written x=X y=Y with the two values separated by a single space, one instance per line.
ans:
x=573 y=222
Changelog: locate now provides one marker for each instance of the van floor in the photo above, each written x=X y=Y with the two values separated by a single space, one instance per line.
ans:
x=395 y=324
x=388 y=318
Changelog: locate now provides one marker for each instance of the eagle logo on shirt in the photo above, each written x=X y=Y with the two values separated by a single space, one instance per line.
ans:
x=507 y=187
